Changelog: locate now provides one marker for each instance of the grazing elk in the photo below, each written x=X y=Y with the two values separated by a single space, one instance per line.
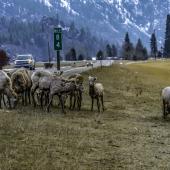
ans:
x=21 y=84
x=166 y=101
x=6 y=89
x=96 y=91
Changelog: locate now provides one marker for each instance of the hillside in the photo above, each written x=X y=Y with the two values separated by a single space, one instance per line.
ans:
x=22 y=36
x=106 y=18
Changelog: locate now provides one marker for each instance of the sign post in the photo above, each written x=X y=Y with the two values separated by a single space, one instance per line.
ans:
x=58 y=44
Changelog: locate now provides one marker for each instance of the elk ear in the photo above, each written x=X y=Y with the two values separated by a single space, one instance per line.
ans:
x=89 y=77
x=95 y=78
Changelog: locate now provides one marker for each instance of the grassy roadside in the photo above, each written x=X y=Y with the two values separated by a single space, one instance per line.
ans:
x=132 y=134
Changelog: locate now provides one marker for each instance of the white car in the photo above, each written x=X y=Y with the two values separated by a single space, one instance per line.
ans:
x=88 y=64
x=25 y=60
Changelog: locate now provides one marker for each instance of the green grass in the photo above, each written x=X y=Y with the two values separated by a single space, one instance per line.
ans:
x=131 y=133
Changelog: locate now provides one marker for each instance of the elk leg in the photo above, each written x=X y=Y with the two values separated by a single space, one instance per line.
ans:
x=47 y=98
x=41 y=99
x=4 y=102
x=164 y=109
x=92 y=102
x=70 y=101
x=9 y=103
x=98 y=104
x=50 y=101
x=62 y=104
x=80 y=100
x=74 y=104
x=22 y=98
x=25 y=96
x=33 y=89
x=29 y=97
x=0 y=101
x=102 y=103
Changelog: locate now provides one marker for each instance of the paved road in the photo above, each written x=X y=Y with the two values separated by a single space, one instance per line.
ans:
x=68 y=70
x=72 y=70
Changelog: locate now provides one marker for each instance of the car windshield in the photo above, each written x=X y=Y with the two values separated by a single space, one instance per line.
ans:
x=23 y=57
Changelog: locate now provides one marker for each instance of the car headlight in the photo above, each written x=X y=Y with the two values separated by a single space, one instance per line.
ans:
x=29 y=61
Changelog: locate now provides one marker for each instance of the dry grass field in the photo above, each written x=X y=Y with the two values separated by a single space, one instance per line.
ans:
x=131 y=133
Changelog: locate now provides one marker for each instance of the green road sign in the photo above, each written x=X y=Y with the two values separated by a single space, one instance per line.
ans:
x=57 y=39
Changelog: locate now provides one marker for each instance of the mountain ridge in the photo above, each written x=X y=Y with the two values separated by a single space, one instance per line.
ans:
x=109 y=19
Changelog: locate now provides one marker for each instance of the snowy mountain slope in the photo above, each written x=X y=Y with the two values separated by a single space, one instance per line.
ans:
x=109 y=19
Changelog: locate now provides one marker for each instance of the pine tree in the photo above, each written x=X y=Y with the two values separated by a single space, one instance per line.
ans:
x=3 y=58
x=81 y=57
x=166 y=52
x=159 y=54
x=99 y=55
x=68 y=56
x=108 y=51
x=114 y=51
x=127 y=40
x=145 y=54
x=127 y=48
x=139 y=50
x=73 y=54
x=153 y=45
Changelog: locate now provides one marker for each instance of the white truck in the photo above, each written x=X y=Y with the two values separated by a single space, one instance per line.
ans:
x=25 y=60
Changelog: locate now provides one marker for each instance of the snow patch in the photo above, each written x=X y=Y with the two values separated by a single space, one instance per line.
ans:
x=47 y=3
x=66 y=4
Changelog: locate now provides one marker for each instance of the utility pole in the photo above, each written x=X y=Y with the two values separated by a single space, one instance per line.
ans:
x=49 y=55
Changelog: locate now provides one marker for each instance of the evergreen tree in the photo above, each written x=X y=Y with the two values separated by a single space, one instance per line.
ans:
x=139 y=50
x=3 y=58
x=67 y=56
x=127 y=40
x=145 y=54
x=166 y=52
x=81 y=57
x=99 y=55
x=153 y=45
x=114 y=51
x=159 y=54
x=108 y=51
x=73 y=54
x=127 y=48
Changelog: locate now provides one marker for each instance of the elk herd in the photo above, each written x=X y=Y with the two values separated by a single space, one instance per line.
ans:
x=40 y=87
